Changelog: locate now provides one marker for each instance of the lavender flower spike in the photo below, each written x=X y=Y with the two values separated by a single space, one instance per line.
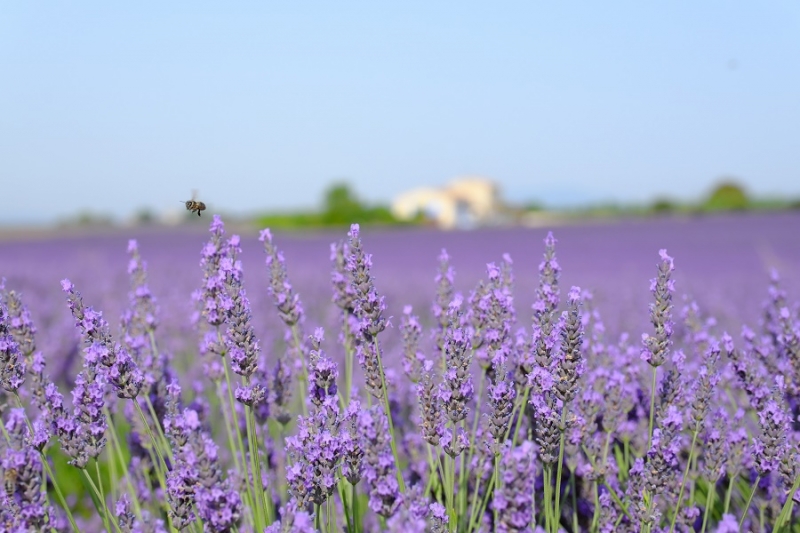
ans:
x=212 y=292
x=456 y=390
x=286 y=300
x=12 y=367
x=657 y=347
x=570 y=365
x=102 y=354
x=384 y=495
x=369 y=306
x=513 y=501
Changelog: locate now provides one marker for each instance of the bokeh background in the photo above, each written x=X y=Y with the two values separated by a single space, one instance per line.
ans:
x=114 y=111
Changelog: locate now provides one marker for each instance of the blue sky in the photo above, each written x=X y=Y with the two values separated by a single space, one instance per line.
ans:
x=115 y=106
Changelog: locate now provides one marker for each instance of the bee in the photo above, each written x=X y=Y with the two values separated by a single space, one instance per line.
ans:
x=193 y=205
x=10 y=481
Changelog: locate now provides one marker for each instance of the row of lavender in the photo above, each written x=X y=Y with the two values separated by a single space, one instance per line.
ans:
x=483 y=423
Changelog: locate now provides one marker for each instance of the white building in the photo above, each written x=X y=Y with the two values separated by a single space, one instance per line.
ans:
x=462 y=203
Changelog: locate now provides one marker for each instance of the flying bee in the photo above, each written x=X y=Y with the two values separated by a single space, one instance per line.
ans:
x=193 y=205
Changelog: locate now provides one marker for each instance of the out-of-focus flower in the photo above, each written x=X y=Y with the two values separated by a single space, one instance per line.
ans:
x=513 y=500
x=286 y=300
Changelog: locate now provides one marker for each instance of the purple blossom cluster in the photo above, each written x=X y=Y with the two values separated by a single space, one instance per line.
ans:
x=503 y=403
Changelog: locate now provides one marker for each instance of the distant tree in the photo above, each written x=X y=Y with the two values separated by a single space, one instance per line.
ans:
x=145 y=216
x=663 y=205
x=340 y=205
x=727 y=196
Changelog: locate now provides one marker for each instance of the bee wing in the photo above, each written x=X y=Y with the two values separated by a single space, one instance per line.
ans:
x=194 y=194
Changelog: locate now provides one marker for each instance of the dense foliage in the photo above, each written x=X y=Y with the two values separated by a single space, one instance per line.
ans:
x=341 y=206
x=471 y=414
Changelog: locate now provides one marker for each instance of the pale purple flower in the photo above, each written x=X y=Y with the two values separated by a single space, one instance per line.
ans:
x=513 y=500
x=379 y=465
x=12 y=365
x=656 y=347
x=286 y=300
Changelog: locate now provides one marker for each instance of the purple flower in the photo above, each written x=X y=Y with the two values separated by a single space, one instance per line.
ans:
x=322 y=374
x=547 y=294
x=286 y=300
x=280 y=391
x=180 y=495
x=379 y=467
x=369 y=306
x=513 y=500
x=140 y=320
x=23 y=488
x=241 y=342
x=444 y=295
x=456 y=389
x=570 y=364
x=293 y=519
x=315 y=453
x=352 y=443
x=343 y=294
x=102 y=354
x=438 y=518
x=501 y=399
x=412 y=356
x=220 y=507
x=728 y=524
x=431 y=424
x=211 y=296
x=12 y=367
x=657 y=347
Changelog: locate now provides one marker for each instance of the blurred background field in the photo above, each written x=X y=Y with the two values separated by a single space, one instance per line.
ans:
x=722 y=262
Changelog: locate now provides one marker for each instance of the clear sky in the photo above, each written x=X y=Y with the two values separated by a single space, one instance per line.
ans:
x=114 y=106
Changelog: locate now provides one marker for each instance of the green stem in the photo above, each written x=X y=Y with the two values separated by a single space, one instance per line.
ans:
x=303 y=381
x=749 y=501
x=523 y=404
x=161 y=463
x=574 y=501
x=232 y=406
x=786 y=511
x=484 y=503
x=100 y=502
x=596 y=483
x=559 y=466
x=652 y=410
x=548 y=496
x=348 y=360
x=117 y=447
x=712 y=488
x=255 y=466
x=476 y=418
x=400 y=480
x=59 y=494
x=228 y=428
x=159 y=430
x=685 y=475
x=728 y=494
x=496 y=486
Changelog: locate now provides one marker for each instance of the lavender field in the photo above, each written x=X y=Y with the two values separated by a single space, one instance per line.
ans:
x=625 y=376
